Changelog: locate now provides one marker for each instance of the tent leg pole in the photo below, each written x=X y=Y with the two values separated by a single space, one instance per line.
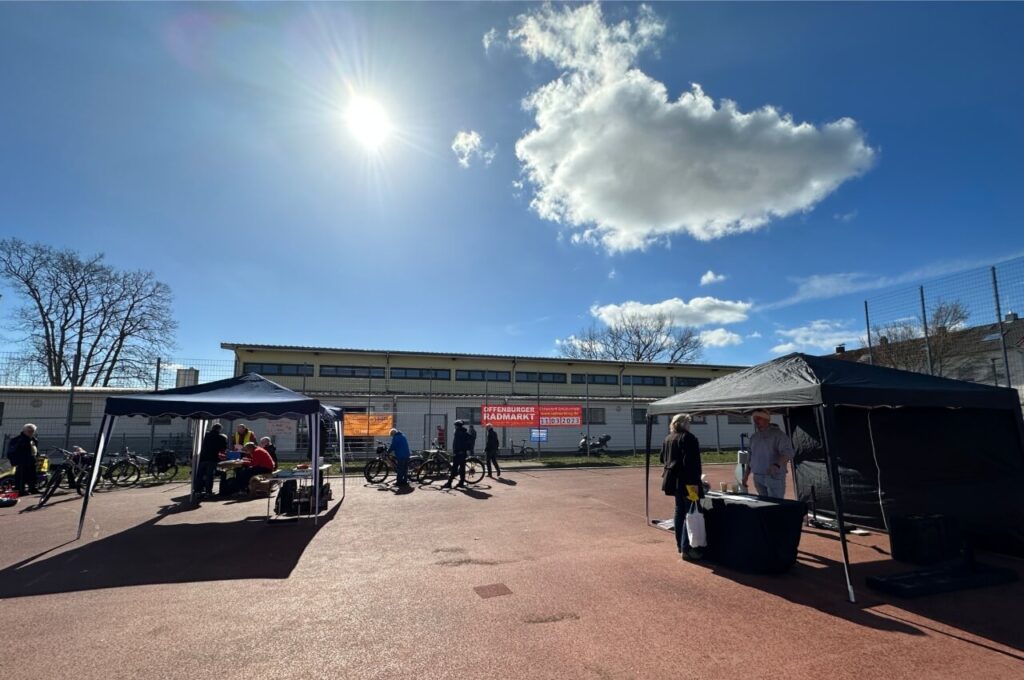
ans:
x=106 y=425
x=647 y=473
x=200 y=431
x=829 y=419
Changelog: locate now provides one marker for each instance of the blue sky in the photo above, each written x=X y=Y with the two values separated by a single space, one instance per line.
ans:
x=209 y=143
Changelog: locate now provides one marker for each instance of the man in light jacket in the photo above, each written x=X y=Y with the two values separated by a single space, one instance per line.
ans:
x=770 y=453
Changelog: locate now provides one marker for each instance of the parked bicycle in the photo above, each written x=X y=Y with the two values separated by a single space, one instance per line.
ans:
x=130 y=469
x=75 y=471
x=377 y=470
x=524 y=451
x=439 y=466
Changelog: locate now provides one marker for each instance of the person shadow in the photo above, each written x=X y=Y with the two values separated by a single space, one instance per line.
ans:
x=506 y=481
x=156 y=552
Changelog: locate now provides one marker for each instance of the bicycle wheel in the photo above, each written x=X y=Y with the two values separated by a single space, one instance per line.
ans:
x=376 y=471
x=529 y=452
x=83 y=480
x=431 y=470
x=167 y=474
x=474 y=470
x=415 y=467
x=50 y=488
x=124 y=473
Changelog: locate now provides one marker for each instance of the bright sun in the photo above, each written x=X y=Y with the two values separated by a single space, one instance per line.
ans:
x=368 y=123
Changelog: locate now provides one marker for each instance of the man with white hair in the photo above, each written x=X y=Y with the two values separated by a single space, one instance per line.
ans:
x=770 y=453
x=400 y=448
x=21 y=451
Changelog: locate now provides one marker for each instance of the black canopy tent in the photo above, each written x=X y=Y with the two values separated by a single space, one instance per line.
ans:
x=872 y=441
x=246 y=396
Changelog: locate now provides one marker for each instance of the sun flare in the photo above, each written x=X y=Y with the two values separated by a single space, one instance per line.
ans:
x=368 y=123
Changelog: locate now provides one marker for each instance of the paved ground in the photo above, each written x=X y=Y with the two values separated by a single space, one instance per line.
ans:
x=392 y=586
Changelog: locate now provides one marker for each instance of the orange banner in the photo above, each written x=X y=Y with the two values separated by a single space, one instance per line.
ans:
x=368 y=425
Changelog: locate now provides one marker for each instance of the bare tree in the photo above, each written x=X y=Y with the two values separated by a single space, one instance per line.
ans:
x=901 y=344
x=636 y=337
x=84 y=321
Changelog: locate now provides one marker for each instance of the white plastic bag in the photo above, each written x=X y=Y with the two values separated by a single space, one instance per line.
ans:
x=695 y=529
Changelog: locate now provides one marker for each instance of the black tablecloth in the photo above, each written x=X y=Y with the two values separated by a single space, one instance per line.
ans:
x=752 y=533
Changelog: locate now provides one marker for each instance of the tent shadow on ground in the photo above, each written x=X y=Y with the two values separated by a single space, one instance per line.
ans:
x=816 y=582
x=154 y=553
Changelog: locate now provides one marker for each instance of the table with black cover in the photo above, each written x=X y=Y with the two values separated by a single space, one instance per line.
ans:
x=751 y=533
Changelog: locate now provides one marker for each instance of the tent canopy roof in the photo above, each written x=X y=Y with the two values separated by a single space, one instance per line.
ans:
x=246 y=396
x=804 y=380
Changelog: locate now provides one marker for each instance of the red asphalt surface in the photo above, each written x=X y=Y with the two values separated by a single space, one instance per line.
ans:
x=387 y=587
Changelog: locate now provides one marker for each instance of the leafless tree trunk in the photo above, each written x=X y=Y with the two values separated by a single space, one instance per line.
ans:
x=636 y=337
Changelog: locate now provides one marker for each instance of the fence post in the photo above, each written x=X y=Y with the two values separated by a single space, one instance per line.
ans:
x=430 y=415
x=71 y=401
x=867 y=324
x=586 y=390
x=1002 y=333
x=632 y=417
x=152 y=423
x=539 y=442
x=924 y=323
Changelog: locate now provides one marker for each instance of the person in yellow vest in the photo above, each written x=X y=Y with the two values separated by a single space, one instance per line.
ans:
x=242 y=436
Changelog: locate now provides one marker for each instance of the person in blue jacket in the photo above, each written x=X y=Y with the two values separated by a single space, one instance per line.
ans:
x=400 y=448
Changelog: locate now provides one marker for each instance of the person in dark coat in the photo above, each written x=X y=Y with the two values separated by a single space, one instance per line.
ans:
x=21 y=451
x=265 y=443
x=213 y=448
x=472 y=440
x=461 y=443
x=491 y=451
x=682 y=450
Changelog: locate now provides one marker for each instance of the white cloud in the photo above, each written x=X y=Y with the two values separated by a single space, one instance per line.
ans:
x=620 y=163
x=845 y=217
x=699 y=311
x=612 y=274
x=470 y=145
x=710 y=277
x=817 y=336
x=489 y=38
x=755 y=334
x=719 y=337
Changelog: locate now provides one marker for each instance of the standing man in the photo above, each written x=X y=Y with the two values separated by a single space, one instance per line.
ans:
x=491 y=451
x=770 y=453
x=400 y=447
x=460 y=449
x=21 y=451
x=213 y=448
x=472 y=440
x=242 y=436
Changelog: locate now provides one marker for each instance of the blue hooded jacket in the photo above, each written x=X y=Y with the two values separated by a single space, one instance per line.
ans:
x=399 y=445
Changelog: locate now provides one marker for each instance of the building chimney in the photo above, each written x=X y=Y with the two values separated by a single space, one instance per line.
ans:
x=186 y=377
x=1011 y=317
x=840 y=349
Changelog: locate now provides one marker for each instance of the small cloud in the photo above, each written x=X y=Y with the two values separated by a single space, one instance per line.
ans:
x=821 y=335
x=845 y=217
x=755 y=334
x=711 y=277
x=470 y=144
x=493 y=39
x=612 y=274
x=719 y=337
x=699 y=311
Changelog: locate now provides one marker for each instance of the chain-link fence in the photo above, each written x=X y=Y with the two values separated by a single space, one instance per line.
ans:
x=965 y=326
x=423 y=404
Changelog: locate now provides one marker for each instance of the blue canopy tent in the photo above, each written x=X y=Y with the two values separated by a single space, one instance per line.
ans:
x=246 y=396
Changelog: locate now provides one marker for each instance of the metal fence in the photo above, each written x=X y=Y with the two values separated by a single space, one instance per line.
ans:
x=424 y=409
x=965 y=326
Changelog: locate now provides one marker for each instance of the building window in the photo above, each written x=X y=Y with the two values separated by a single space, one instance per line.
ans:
x=689 y=382
x=699 y=420
x=279 y=369
x=584 y=378
x=593 y=416
x=531 y=377
x=739 y=419
x=484 y=376
x=81 y=413
x=351 y=372
x=646 y=380
x=640 y=417
x=421 y=374
x=468 y=414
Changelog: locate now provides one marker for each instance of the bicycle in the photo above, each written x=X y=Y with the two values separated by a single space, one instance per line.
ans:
x=524 y=450
x=78 y=472
x=129 y=470
x=439 y=466
x=377 y=470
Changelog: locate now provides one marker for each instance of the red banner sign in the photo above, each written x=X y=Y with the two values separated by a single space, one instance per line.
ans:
x=523 y=415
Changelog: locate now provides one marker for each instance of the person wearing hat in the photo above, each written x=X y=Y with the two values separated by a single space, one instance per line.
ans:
x=491 y=451
x=770 y=453
x=461 y=444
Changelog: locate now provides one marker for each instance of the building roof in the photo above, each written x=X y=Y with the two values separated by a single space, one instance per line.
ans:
x=235 y=346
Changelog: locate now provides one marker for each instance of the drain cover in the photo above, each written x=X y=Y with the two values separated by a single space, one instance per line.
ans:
x=493 y=590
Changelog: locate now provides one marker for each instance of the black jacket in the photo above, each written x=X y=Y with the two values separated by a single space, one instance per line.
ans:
x=21 y=449
x=213 y=443
x=461 y=442
x=684 y=450
x=491 y=443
